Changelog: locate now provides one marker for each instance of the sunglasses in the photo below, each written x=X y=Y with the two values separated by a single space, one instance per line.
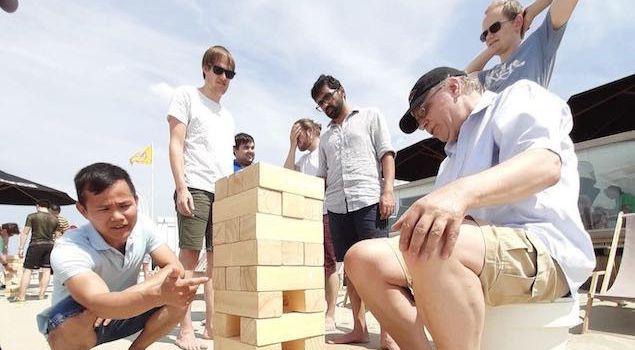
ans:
x=220 y=70
x=494 y=28
x=328 y=97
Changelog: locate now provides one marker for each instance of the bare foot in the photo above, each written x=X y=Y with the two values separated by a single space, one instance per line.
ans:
x=208 y=333
x=387 y=342
x=330 y=324
x=188 y=341
x=353 y=337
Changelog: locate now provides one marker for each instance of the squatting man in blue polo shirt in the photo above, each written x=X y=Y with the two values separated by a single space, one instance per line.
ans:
x=96 y=298
x=500 y=227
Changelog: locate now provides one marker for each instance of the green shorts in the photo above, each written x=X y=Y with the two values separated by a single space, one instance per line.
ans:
x=193 y=230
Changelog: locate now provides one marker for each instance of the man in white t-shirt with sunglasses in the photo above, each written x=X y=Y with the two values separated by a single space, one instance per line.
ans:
x=504 y=27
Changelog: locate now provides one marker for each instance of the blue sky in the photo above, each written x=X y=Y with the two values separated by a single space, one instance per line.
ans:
x=88 y=81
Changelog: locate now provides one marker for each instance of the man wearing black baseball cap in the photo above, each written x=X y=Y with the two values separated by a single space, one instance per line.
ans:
x=490 y=233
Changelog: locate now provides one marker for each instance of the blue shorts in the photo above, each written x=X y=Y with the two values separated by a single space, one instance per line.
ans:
x=115 y=330
x=352 y=227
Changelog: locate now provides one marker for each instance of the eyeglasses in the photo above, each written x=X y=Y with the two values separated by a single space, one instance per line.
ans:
x=494 y=28
x=419 y=113
x=220 y=70
x=328 y=97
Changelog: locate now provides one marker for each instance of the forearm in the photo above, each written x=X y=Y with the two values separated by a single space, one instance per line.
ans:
x=513 y=180
x=177 y=164
x=536 y=8
x=478 y=63
x=388 y=170
x=289 y=163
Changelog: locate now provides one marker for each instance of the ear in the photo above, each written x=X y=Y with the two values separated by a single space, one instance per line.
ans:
x=82 y=210
x=454 y=87
x=518 y=23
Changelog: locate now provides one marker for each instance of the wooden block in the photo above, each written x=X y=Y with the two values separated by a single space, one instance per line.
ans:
x=289 y=326
x=313 y=209
x=292 y=253
x=293 y=205
x=11 y=291
x=219 y=278
x=235 y=184
x=283 y=180
x=310 y=300
x=226 y=325
x=220 y=190
x=249 y=304
x=273 y=278
x=313 y=254
x=232 y=278
x=255 y=200
x=248 y=253
x=272 y=227
x=222 y=343
x=226 y=231
x=314 y=343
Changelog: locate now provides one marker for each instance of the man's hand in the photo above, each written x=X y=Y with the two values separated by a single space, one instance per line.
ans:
x=431 y=225
x=178 y=291
x=184 y=202
x=386 y=204
x=101 y=321
x=293 y=137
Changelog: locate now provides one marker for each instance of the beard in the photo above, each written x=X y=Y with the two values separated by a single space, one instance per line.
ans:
x=333 y=111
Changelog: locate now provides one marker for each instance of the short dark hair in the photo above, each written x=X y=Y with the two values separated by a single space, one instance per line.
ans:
x=43 y=203
x=55 y=207
x=241 y=139
x=11 y=227
x=97 y=177
x=328 y=80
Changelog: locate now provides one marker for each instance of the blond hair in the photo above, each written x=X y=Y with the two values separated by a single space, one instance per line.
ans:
x=511 y=8
x=309 y=124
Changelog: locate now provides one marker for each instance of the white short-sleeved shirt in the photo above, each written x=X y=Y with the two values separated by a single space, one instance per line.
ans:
x=309 y=164
x=209 y=138
x=522 y=117
x=83 y=249
x=350 y=158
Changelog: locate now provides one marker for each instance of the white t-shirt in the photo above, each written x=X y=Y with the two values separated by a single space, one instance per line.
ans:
x=522 y=117
x=309 y=164
x=209 y=138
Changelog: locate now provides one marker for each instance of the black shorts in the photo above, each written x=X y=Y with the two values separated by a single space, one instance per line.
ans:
x=352 y=227
x=38 y=256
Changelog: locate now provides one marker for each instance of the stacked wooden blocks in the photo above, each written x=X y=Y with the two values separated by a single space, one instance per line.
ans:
x=268 y=260
x=12 y=279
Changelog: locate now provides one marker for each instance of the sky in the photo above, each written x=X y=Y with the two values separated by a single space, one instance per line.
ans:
x=90 y=81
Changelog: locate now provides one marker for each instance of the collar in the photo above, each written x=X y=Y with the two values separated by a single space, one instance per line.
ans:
x=353 y=112
x=42 y=210
x=96 y=240
x=486 y=100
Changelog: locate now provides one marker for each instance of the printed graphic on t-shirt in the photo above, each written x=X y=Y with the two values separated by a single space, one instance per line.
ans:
x=502 y=72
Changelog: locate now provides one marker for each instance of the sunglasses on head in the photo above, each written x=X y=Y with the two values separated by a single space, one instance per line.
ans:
x=494 y=28
x=220 y=70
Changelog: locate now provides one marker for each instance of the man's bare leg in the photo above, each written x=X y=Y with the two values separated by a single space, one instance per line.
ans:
x=331 y=288
x=186 y=339
x=380 y=281
x=158 y=325
x=75 y=333
x=208 y=289
x=24 y=283
x=45 y=278
x=449 y=294
x=359 y=334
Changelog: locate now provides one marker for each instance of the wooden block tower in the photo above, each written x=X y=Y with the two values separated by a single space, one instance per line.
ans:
x=268 y=260
x=12 y=279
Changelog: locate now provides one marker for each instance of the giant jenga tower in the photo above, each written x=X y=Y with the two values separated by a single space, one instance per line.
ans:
x=268 y=260
x=12 y=279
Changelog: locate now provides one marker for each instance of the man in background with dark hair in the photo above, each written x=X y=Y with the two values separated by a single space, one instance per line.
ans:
x=96 y=298
x=42 y=226
x=357 y=160
x=64 y=225
x=244 y=151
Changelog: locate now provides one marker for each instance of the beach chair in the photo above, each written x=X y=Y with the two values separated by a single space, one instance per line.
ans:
x=623 y=289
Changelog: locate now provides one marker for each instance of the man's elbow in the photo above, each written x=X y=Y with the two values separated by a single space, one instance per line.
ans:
x=553 y=169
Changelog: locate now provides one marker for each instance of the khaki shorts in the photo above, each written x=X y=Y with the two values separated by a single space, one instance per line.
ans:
x=195 y=230
x=517 y=268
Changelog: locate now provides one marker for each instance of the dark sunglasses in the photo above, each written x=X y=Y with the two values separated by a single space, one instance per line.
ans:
x=220 y=70
x=494 y=28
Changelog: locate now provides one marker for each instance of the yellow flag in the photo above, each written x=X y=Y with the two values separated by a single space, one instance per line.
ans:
x=142 y=157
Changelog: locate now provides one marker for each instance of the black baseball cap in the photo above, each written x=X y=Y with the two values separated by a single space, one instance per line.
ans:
x=408 y=124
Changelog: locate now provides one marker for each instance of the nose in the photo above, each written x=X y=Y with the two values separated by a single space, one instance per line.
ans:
x=117 y=216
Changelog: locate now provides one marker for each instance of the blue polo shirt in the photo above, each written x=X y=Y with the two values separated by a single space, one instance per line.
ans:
x=84 y=249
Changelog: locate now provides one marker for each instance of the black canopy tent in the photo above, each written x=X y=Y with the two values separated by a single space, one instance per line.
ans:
x=15 y=190
x=602 y=111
